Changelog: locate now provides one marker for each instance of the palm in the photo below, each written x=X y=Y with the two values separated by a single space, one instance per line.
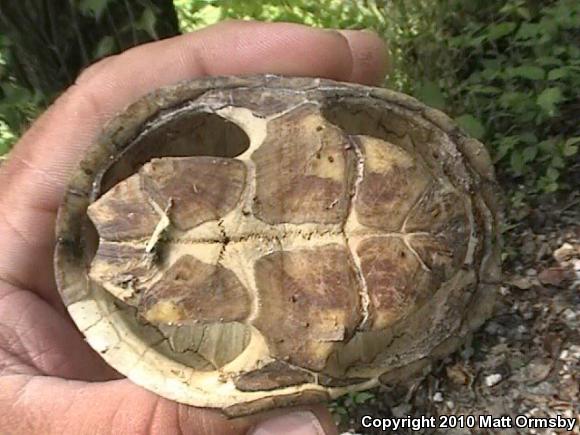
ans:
x=36 y=339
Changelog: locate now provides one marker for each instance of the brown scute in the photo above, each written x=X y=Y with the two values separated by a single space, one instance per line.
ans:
x=221 y=342
x=395 y=279
x=436 y=208
x=302 y=170
x=122 y=268
x=393 y=180
x=309 y=303
x=442 y=212
x=124 y=212
x=207 y=346
x=368 y=120
x=191 y=291
x=119 y=254
x=272 y=376
x=196 y=189
x=436 y=255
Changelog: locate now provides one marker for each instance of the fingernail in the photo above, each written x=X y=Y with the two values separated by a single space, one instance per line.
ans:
x=296 y=423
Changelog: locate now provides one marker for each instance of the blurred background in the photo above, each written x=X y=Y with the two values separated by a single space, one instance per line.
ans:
x=507 y=71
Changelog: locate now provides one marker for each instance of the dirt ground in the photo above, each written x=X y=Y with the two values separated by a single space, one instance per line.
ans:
x=526 y=359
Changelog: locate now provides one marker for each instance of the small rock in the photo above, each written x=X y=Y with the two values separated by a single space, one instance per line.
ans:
x=529 y=247
x=575 y=350
x=571 y=318
x=543 y=251
x=493 y=328
x=543 y=388
x=528 y=315
x=402 y=410
x=521 y=282
x=450 y=404
x=438 y=397
x=492 y=380
x=538 y=370
x=531 y=272
x=565 y=253
x=569 y=314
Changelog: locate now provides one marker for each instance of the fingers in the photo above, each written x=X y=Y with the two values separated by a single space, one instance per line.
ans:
x=31 y=405
x=35 y=176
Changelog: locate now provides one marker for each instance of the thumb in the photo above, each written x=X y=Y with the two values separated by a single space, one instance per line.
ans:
x=48 y=405
x=298 y=422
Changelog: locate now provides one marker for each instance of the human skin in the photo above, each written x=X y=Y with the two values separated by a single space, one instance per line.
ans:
x=50 y=380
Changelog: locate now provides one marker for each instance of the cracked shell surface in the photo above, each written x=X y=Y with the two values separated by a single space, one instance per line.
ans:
x=245 y=243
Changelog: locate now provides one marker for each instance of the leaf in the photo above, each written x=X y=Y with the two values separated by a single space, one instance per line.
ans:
x=93 y=7
x=4 y=146
x=557 y=162
x=528 y=31
x=431 y=94
x=105 y=47
x=471 y=125
x=549 y=98
x=552 y=173
x=528 y=72
x=512 y=99
x=547 y=145
x=529 y=153
x=14 y=95
x=506 y=144
x=570 y=147
x=496 y=31
x=517 y=162
x=528 y=137
x=147 y=23
x=362 y=397
x=555 y=276
x=486 y=90
x=524 y=13
x=551 y=187
x=559 y=73
x=548 y=60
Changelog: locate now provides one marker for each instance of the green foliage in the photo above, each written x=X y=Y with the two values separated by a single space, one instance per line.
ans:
x=320 y=13
x=342 y=407
x=508 y=72
x=45 y=44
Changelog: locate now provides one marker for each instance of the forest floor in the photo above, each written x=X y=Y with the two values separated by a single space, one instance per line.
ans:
x=526 y=359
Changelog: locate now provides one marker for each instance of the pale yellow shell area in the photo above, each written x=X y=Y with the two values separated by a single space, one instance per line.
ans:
x=329 y=253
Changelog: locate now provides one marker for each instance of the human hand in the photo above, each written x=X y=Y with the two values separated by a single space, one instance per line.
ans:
x=50 y=380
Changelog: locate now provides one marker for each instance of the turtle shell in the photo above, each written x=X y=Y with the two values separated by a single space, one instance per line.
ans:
x=251 y=242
